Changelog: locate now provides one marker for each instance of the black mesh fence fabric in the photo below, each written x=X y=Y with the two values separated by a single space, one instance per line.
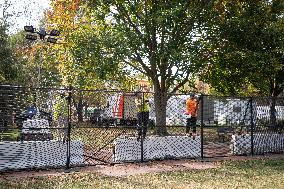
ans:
x=269 y=125
x=99 y=118
x=31 y=136
x=66 y=127
x=175 y=142
x=223 y=119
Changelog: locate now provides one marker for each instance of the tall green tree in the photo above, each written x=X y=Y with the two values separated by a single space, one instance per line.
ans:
x=245 y=46
x=155 y=38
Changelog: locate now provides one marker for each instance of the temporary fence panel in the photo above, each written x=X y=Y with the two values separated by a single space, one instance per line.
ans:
x=67 y=127
x=112 y=118
x=223 y=118
x=35 y=126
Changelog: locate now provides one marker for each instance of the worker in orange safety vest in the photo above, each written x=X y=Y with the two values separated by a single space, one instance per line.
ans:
x=191 y=107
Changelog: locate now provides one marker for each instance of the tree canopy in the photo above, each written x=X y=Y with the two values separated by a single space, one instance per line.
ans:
x=155 y=38
x=244 y=46
x=235 y=46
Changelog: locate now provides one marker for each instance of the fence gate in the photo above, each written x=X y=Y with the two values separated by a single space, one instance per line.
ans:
x=98 y=118
x=223 y=119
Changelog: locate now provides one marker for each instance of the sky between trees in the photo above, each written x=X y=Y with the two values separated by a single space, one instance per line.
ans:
x=23 y=12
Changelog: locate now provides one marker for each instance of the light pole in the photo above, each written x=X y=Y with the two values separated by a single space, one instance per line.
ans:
x=51 y=37
x=32 y=34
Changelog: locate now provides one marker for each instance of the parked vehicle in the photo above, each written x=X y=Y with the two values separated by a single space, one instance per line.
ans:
x=119 y=112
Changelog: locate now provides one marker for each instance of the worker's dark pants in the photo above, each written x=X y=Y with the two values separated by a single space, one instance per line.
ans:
x=143 y=119
x=191 y=124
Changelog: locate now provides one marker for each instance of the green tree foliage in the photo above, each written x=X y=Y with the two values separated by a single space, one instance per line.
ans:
x=244 y=44
x=7 y=61
x=71 y=19
x=155 y=38
x=7 y=69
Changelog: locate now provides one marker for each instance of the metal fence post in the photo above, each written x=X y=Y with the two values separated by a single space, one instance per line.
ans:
x=69 y=128
x=142 y=128
x=202 y=124
x=251 y=126
x=122 y=121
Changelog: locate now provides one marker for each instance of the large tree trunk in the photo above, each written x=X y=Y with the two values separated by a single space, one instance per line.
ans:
x=160 y=100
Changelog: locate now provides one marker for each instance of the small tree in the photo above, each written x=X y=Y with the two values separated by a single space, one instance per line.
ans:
x=7 y=59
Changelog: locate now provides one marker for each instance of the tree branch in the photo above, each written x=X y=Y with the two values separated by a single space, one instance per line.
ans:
x=135 y=67
x=126 y=18
x=180 y=84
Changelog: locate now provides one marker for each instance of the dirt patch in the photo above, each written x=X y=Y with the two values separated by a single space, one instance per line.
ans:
x=119 y=170
x=128 y=169
x=152 y=167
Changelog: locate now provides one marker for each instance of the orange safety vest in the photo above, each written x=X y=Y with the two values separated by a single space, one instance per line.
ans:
x=191 y=107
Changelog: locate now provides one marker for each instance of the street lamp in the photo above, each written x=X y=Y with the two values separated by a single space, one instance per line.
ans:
x=29 y=29
x=50 y=37
x=32 y=34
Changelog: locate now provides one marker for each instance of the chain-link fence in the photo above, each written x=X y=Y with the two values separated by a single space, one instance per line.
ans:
x=70 y=127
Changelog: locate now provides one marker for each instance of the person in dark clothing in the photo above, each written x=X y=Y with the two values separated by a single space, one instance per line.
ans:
x=142 y=114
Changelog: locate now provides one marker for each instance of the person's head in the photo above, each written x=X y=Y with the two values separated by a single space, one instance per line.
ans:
x=191 y=95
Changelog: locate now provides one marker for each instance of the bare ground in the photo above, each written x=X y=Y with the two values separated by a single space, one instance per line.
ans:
x=128 y=169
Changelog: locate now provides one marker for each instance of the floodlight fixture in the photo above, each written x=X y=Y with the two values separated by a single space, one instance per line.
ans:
x=31 y=37
x=54 y=32
x=29 y=29
x=32 y=34
x=51 y=40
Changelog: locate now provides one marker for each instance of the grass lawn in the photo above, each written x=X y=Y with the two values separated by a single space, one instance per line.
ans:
x=9 y=135
x=242 y=174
